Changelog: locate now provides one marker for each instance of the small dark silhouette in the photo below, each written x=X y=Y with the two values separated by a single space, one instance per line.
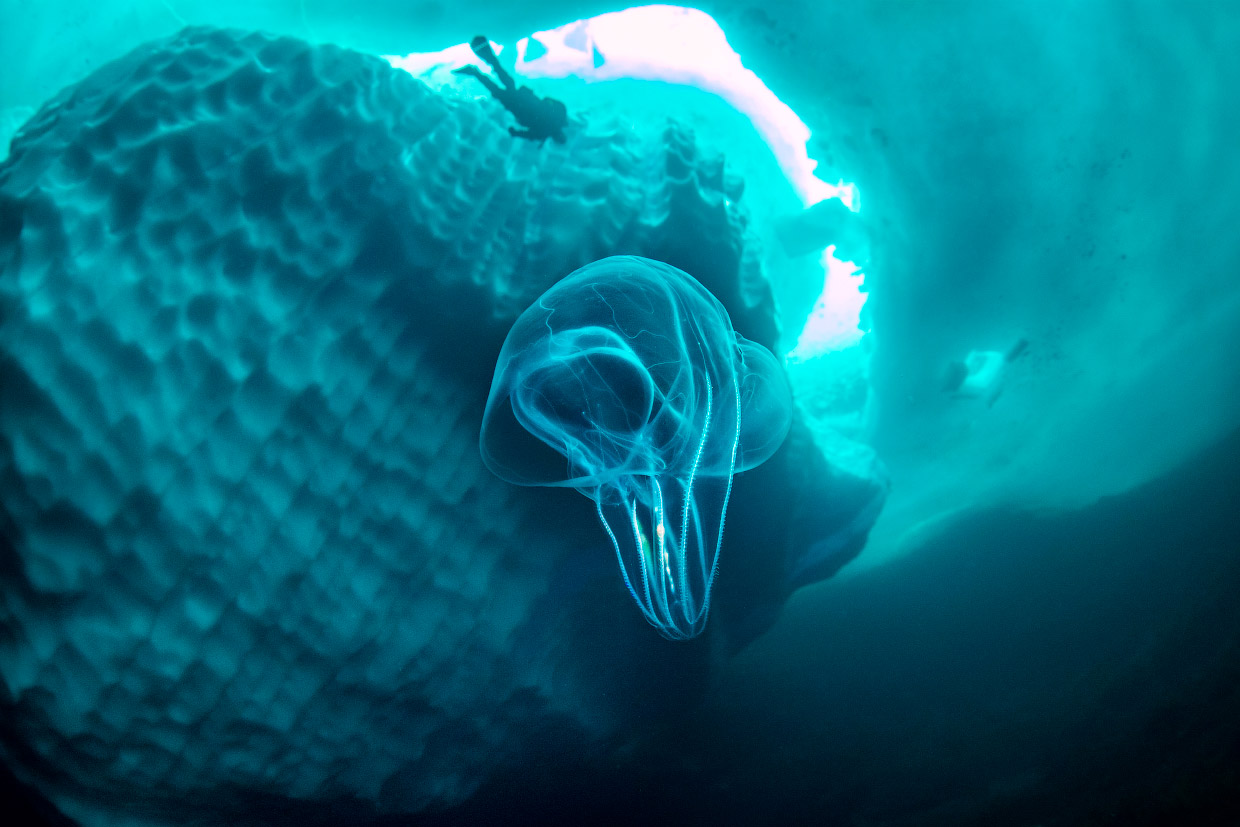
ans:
x=542 y=118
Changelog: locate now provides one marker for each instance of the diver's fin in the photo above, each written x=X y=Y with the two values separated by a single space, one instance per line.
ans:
x=482 y=48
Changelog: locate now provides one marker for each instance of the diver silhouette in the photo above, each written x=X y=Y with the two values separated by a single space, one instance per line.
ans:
x=542 y=118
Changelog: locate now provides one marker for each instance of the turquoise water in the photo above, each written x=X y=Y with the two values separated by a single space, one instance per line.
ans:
x=258 y=261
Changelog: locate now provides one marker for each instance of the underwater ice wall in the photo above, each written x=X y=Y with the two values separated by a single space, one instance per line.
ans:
x=1059 y=174
x=251 y=298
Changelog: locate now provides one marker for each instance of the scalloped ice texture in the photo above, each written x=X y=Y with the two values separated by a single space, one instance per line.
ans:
x=252 y=296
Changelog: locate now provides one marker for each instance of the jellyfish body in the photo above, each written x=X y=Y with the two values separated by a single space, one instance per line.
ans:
x=626 y=381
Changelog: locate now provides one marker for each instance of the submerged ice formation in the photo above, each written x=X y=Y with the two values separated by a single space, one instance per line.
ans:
x=686 y=47
x=627 y=382
x=669 y=44
x=251 y=297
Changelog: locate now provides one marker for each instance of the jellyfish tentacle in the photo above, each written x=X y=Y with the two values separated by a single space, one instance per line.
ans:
x=645 y=604
x=709 y=578
x=688 y=499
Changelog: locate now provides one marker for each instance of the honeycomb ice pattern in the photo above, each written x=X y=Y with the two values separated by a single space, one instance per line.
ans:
x=250 y=299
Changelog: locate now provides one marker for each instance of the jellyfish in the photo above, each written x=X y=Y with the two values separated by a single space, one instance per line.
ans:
x=626 y=381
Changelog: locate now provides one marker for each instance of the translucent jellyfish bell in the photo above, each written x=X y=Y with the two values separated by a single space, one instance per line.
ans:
x=626 y=381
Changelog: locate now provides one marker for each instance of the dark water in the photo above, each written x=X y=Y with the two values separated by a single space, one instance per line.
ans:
x=1019 y=670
